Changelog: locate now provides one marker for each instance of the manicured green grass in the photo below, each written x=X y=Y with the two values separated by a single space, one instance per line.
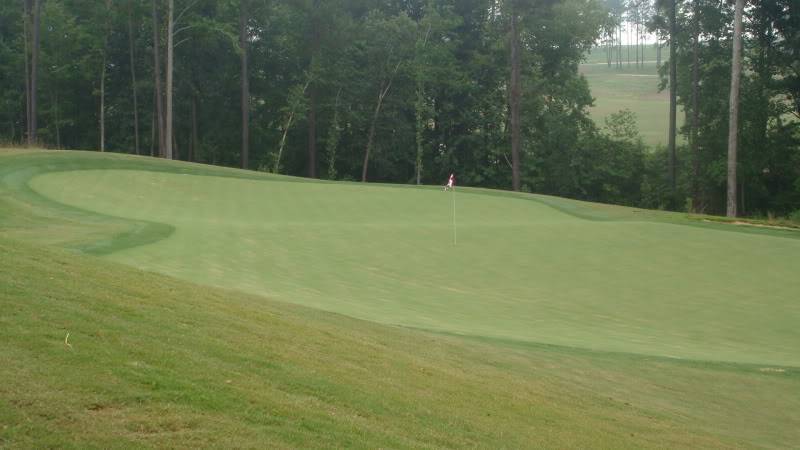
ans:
x=632 y=88
x=557 y=323
x=521 y=270
x=154 y=361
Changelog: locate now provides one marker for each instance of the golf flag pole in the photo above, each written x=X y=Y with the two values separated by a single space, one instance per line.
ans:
x=455 y=237
x=451 y=186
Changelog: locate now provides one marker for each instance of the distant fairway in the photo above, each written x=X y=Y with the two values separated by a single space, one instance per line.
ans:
x=633 y=88
x=522 y=270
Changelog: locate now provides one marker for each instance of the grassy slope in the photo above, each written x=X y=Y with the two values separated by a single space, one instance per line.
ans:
x=157 y=361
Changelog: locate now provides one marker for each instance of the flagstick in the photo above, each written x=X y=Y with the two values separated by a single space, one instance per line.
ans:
x=454 y=216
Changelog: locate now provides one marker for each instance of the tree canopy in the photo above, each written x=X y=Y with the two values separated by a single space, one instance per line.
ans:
x=405 y=92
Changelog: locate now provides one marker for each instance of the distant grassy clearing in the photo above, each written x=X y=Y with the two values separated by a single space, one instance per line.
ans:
x=521 y=271
x=633 y=88
x=598 y=55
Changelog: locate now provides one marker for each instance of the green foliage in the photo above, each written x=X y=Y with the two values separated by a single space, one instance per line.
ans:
x=334 y=136
x=622 y=126
x=444 y=65
x=769 y=136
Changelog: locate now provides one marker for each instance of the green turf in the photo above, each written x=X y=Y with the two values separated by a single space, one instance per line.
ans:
x=522 y=270
x=558 y=323
x=156 y=362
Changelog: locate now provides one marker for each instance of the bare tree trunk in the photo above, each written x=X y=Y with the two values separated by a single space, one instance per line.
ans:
x=516 y=97
x=636 y=32
x=643 y=42
x=170 y=60
x=419 y=106
x=103 y=104
x=420 y=124
x=628 y=47
x=277 y=167
x=103 y=81
x=243 y=44
x=153 y=128
x=312 y=133
x=289 y=120
x=312 y=98
x=673 y=103
x=733 y=122
x=695 y=124
x=133 y=82
x=371 y=136
x=333 y=138
x=37 y=12
x=56 y=120
x=658 y=53
x=26 y=30
x=159 y=98
x=193 y=147
x=762 y=68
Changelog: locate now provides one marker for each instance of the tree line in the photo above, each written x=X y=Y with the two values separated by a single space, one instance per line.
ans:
x=409 y=91
x=736 y=72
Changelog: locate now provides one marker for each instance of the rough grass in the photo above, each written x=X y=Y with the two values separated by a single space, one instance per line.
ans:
x=157 y=361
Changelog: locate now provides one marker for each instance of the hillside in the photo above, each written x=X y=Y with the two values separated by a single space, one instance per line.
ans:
x=175 y=283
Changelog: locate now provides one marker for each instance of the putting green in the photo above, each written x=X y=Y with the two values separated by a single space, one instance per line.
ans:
x=521 y=270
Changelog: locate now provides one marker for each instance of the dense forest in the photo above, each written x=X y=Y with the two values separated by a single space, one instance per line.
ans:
x=409 y=91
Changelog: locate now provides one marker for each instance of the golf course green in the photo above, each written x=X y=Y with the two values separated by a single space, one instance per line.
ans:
x=520 y=270
x=688 y=318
